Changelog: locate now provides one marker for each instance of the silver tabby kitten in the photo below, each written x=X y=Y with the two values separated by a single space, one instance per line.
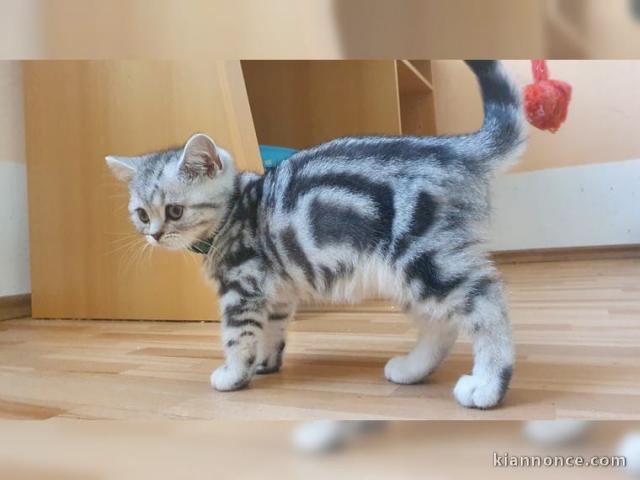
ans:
x=398 y=217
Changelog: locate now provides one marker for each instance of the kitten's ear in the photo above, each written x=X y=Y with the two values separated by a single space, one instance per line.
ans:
x=200 y=157
x=122 y=167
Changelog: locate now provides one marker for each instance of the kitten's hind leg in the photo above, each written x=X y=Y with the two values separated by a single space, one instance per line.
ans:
x=274 y=338
x=435 y=340
x=484 y=316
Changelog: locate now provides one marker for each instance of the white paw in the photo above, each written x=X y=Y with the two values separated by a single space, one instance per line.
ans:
x=225 y=378
x=474 y=391
x=401 y=370
x=630 y=449
x=319 y=436
x=555 y=432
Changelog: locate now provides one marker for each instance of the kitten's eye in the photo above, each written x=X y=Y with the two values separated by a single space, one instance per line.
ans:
x=174 y=212
x=142 y=215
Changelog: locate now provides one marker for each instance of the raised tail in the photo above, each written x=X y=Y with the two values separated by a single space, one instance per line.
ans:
x=502 y=136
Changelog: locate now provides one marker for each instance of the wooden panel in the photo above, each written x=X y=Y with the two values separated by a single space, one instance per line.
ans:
x=418 y=114
x=302 y=103
x=568 y=254
x=84 y=264
x=424 y=67
x=411 y=79
x=417 y=108
x=15 y=306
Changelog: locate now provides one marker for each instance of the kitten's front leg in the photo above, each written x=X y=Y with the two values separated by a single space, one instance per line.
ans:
x=244 y=316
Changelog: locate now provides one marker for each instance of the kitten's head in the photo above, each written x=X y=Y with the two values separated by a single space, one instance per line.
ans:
x=177 y=197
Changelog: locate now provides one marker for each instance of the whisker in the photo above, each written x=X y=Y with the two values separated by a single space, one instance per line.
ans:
x=122 y=246
x=127 y=260
x=135 y=258
x=123 y=238
x=147 y=252
x=192 y=257
x=121 y=233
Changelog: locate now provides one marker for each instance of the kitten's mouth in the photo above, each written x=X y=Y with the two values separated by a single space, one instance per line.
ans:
x=169 y=242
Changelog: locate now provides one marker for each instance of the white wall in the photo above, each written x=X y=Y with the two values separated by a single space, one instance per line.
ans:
x=14 y=232
x=578 y=206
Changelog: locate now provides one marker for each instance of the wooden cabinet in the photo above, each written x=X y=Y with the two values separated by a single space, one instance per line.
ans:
x=86 y=261
x=300 y=103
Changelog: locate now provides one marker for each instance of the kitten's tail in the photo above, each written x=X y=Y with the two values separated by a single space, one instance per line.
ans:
x=502 y=137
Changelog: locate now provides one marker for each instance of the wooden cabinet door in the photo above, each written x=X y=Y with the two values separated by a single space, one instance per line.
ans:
x=86 y=261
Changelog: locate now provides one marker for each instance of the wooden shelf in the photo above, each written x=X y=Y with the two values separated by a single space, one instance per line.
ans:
x=415 y=96
x=411 y=79
x=301 y=103
x=417 y=115
x=424 y=67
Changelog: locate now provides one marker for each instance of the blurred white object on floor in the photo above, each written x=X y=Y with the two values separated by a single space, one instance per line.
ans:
x=555 y=432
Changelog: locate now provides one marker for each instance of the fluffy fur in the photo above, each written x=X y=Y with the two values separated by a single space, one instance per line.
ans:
x=399 y=217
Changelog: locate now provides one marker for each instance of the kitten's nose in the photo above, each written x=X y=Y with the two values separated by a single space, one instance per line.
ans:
x=157 y=235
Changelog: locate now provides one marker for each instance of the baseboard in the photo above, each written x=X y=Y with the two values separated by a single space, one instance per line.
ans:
x=15 y=306
x=567 y=254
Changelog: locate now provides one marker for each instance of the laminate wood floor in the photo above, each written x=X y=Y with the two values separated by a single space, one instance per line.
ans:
x=80 y=450
x=576 y=326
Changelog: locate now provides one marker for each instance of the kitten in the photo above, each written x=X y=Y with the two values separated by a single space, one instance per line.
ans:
x=400 y=217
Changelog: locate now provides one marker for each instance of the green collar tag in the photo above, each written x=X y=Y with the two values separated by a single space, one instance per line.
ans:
x=201 y=247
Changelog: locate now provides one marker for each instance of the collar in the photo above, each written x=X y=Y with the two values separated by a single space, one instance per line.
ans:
x=202 y=246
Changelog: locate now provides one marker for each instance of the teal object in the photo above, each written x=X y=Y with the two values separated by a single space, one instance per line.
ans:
x=273 y=156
